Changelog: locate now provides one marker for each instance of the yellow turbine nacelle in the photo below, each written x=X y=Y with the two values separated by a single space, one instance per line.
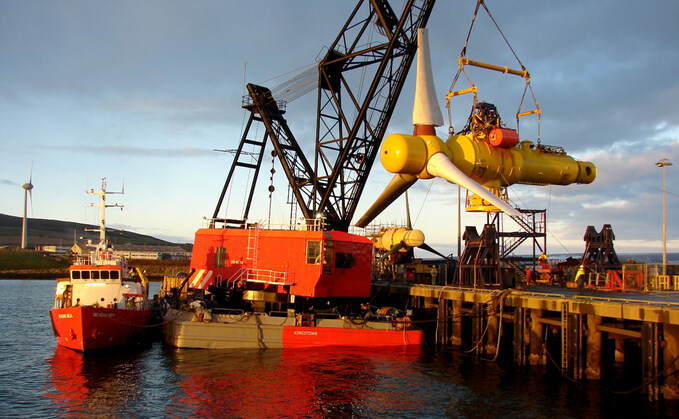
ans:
x=527 y=163
x=492 y=167
x=387 y=239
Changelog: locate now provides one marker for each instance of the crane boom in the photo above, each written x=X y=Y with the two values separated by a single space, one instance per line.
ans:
x=351 y=120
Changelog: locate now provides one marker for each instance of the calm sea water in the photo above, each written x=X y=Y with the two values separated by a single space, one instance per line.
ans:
x=39 y=379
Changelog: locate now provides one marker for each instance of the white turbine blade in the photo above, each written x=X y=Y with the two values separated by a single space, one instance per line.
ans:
x=409 y=224
x=30 y=192
x=426 y=110
x=399 y=184
x=440 y=166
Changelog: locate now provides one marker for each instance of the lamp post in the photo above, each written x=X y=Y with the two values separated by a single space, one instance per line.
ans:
x=664 y=163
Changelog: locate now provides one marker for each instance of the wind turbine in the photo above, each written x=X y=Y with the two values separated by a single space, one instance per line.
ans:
x=28 y=189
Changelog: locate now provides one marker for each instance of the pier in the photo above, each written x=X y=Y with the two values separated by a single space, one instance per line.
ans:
x=580 y=335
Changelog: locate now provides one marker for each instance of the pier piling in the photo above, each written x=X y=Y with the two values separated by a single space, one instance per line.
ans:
x=584 y=337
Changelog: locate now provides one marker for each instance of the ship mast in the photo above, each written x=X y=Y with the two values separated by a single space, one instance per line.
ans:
x=102 y=208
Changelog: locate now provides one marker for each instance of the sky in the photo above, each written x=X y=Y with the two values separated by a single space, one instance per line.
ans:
x=142 y=92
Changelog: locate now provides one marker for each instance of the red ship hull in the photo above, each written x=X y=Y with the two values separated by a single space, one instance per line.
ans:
x=88 y=328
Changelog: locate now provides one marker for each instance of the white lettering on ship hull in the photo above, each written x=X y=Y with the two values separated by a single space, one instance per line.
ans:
x=66 y=316
x=305 y=333
x=103 y=315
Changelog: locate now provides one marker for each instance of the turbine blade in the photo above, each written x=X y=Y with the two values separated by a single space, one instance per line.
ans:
x=440 y=166
x=30 y=192
x=425 y=246
x=399 y=184
x=426 y=110
x=409 y=225
x=395 y=248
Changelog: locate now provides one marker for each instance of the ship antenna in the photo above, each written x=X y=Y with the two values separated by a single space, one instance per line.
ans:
x=102 y=209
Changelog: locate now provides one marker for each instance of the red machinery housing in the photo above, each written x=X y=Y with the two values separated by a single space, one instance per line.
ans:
x=301 y=263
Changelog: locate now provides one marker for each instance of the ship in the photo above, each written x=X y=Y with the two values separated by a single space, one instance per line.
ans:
x=291 y=285
x=103 y=302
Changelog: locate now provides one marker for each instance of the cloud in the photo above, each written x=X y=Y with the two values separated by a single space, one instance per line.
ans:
x=184 y=152
x=617 y=203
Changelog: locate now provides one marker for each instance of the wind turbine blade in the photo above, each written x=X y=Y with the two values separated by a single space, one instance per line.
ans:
x=30 y=179
x=440 y=166
x=425 y=246
x=399 y=184
x=30 y=192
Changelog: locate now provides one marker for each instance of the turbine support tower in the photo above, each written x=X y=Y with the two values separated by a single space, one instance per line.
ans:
x=28 y=190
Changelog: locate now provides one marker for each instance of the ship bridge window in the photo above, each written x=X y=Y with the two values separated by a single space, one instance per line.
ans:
x=75 y=274
x=313 y=252
x=345 y=260
x=220 y=257
x=104 y=274
x=115 y=274
x=328 y=256
x=85 y=274
x=95 y=274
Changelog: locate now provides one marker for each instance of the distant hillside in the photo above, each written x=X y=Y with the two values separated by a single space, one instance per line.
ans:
x=52 y=232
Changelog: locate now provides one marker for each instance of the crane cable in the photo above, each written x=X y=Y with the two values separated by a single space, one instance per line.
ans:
x=473 y=89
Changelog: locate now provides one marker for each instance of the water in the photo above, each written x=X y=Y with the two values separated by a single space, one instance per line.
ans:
x=39 y=379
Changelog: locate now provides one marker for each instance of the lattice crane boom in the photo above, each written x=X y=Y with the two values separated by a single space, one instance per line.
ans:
x=351 y=119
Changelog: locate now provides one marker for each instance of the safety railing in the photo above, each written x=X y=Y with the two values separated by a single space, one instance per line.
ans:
x=295 y=224
x=650 y=276
x=267 y=276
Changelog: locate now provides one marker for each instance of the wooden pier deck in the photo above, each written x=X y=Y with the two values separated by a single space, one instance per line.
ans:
x=579 y=333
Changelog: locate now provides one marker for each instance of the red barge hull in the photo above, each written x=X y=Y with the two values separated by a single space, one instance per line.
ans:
x=88 y=328
x=308 y=337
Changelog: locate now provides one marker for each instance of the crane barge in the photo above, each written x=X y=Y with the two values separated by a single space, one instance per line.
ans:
x=306 y=282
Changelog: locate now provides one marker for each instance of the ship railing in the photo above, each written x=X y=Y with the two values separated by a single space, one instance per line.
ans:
x=105 y=258
x=138 y=302
x=290 y=224
x=237 y=276
x=82 y=260
x=375 y=228
x=267 y=276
